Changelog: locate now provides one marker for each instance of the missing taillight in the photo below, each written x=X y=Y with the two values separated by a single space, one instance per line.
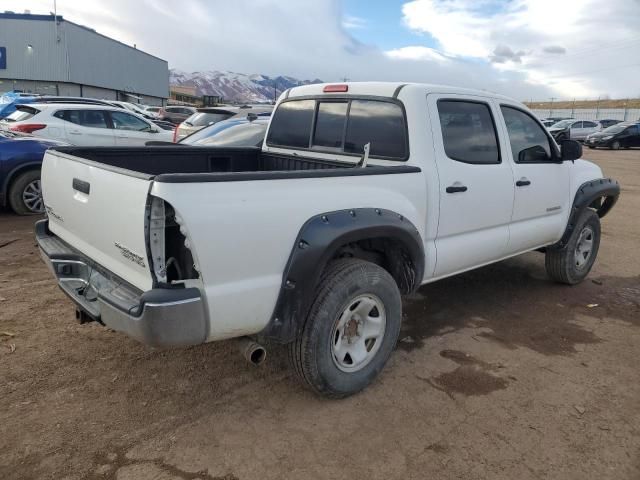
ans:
x=169 y=245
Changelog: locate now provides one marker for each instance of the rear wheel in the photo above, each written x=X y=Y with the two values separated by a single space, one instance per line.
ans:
x=25 y=194
x=615 y=145
x=350 y=331
x=573 y=263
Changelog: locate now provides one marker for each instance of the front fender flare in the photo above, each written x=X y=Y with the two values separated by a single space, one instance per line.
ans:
x=587 y=196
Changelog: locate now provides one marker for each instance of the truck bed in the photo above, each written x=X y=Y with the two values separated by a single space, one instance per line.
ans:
x=180 y=164
x=157 y=160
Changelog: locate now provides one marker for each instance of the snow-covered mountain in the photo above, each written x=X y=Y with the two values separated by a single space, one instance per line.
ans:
x=237 y=87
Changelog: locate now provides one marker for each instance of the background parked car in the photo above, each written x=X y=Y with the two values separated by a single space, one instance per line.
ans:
x=86 y=125
x=547 y=123
x=620 y=135
x=176 y=114
x=153 y=111
x=243 y=131
x=212 y=115
x=573 y=129
x=606 y=123
x=20 y=160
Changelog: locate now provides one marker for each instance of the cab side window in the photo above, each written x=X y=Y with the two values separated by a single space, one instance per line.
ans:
x=468 y=132
x=529 y=142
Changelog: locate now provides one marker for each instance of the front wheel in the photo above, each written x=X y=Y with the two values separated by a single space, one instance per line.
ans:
x=615 y=145
x=351 y=329
x=573 y=263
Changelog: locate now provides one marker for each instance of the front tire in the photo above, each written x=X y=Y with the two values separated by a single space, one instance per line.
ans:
x=351 y=329
x=573 y=263
x=615 y=145
x=25 y=194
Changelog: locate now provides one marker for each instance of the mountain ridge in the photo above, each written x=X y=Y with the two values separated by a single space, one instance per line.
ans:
x=234 y=86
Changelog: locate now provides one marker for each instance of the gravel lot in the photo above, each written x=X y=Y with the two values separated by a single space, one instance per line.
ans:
x=501 y=374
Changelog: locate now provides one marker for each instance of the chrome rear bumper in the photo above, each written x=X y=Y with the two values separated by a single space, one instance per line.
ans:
x=162 y=317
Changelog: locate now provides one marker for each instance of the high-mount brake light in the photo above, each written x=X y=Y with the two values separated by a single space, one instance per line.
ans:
x=335 y=88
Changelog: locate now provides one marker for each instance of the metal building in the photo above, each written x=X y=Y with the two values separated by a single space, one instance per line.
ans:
x=50 y=55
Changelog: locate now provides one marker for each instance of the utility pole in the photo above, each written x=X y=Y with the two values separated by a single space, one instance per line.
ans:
x=275 y=91
x=345 y=79
x=551 y=106
x=573 y=107
x=597 y=108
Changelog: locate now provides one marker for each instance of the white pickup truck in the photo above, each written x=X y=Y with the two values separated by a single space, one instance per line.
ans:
x=361 y=192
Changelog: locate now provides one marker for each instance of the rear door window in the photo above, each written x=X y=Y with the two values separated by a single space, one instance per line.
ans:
x=85 y=118
x=468 y=132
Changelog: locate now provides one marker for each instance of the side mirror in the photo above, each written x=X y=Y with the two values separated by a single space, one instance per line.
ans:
x=570 y=150
x=535 y=154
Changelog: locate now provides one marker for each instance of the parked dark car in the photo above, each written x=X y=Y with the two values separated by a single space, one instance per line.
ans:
x=247 y=131
x=176 y=113
x=606 y=123
x=620 y=135
x=20 y=160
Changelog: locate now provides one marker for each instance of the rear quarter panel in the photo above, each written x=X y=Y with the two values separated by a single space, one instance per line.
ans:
x=242 y=233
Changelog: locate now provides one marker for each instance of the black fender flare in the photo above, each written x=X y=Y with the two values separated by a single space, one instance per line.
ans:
x=317 y=242
x=589 y=195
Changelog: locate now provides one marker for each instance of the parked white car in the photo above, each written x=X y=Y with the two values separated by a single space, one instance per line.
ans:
x=574 y=129
x=84 y=125
x=361 y=192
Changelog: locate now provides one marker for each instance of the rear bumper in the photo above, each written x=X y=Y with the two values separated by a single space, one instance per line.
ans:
x=161 y=317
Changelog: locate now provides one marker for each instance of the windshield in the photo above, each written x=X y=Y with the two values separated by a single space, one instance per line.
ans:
x=229 y=134
x=202 y=119
x=615 y=128
x=562 y=124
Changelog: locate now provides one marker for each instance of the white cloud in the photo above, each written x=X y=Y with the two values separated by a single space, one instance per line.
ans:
x=577 y=47
x=351 y=22
x=313 y=39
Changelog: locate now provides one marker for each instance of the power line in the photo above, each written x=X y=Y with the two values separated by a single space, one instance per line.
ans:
x=618 y=67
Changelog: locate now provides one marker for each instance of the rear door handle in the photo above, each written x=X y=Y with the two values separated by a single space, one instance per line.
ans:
x=523 y=182
x=456 y=188
x=75 y=132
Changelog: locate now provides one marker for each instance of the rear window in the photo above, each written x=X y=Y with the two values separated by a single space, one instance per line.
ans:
x=202 y=119
x=343 y=125
x=22 y=114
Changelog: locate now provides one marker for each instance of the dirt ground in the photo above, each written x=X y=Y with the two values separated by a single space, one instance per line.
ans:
x=500 y=374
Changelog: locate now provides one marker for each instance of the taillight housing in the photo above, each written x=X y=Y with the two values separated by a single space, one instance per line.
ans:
x=27 y=127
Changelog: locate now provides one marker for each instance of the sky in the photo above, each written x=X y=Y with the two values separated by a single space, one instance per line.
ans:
x=527 y=49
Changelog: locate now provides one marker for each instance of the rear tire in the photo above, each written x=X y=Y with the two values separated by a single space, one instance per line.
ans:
x=591 y=147
x=351 y=330
x=573 y=263
x=615 y=145
x=25 y=194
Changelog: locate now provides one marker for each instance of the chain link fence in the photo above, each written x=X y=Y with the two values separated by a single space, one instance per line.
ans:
x=624 y=114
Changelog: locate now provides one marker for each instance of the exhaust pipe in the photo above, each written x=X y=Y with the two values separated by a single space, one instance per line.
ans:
x=252 y=351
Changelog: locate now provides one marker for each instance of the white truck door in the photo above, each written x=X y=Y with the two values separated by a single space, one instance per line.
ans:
x=476 y=184
x=540 y=209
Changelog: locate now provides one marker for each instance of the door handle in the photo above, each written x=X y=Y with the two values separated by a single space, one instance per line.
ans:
x=456 y=188
x=523 y=182
x=75 y=132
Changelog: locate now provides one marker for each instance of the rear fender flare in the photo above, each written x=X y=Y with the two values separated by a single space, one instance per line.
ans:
x=318 y=241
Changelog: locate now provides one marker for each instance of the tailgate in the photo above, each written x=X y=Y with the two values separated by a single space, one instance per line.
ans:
x=101 y=211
